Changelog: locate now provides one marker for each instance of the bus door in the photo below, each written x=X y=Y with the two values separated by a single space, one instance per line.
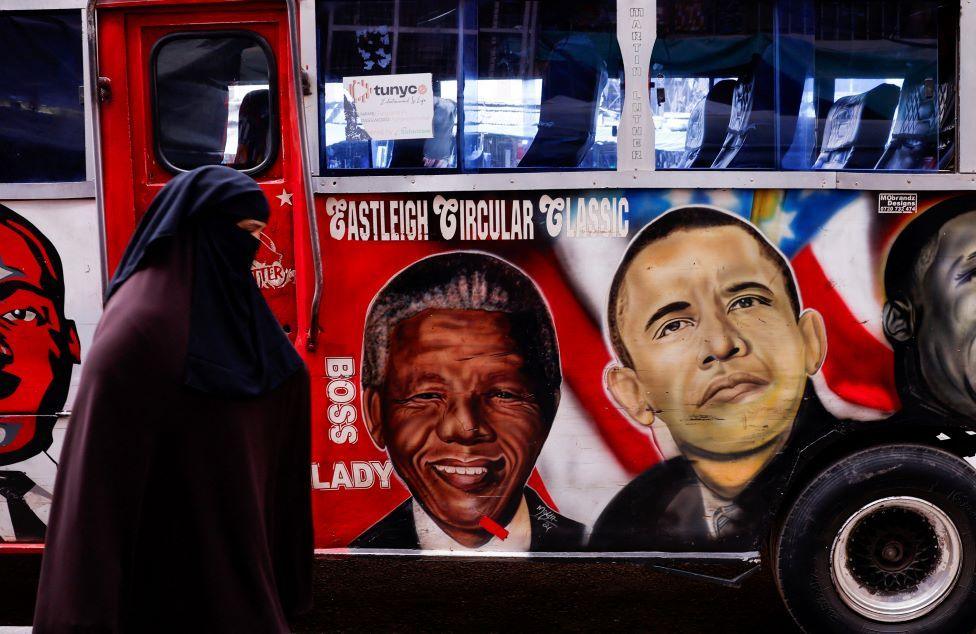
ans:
x=183 y=85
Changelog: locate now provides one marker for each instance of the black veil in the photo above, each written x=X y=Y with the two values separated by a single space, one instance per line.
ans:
x=236 y=346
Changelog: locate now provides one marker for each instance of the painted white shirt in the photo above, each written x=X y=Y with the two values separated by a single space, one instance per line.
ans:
x=432 y=537
x=713 y=505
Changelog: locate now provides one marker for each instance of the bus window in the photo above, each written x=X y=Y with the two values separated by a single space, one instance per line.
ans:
x=388 y=83
x=816 y=84
x=728 y=93
x=545 y=90
x=885 y=87
x=42 y=122
x=213 y=101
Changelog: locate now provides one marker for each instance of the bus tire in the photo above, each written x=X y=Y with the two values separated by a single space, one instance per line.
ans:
x=884 y=540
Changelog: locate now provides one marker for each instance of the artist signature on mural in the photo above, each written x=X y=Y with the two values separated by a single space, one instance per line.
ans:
x=546 y=517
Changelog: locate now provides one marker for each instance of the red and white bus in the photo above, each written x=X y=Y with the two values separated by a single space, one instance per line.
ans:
x=680 y=281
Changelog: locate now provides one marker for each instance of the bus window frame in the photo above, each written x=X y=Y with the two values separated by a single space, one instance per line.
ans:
x=57 y=190
x=274 y=109
x=966 y=89
x=308 y=39
x=379 y=181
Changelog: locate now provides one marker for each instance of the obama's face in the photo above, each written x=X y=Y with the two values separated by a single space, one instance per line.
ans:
x=38 y=345
x=718 y=351
x=461 y=417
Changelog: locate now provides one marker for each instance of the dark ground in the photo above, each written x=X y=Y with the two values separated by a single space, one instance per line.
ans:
x=375 y=594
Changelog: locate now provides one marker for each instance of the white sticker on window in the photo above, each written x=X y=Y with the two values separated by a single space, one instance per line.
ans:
x=389 y=107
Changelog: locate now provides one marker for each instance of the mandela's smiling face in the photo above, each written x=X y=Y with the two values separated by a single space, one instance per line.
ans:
x=461 y=418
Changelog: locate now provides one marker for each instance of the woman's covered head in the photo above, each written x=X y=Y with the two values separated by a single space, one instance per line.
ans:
x=224 y=203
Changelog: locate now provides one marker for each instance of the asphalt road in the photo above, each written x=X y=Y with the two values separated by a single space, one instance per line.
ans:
x=423 y=595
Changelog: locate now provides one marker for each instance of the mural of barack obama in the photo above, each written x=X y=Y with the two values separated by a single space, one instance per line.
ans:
x=709 y=333
x=461 y=382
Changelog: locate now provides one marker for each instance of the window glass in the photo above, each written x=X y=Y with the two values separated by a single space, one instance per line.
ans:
x=545 y=87
x=214 y=101
x=752 y=84
x=805 y=84
x=388 y=84
x=885 y=88
x=716 y=90
x=42 y=121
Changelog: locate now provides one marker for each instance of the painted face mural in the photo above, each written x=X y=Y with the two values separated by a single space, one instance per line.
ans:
x=705 y=319
x=38 y=345
x=695 y=373
x=461 y=391
x=930 y=313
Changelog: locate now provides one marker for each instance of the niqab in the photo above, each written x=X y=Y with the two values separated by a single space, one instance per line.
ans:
x=179 y=506
x=236 y=347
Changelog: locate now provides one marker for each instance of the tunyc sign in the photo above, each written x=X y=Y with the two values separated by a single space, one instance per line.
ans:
x=391 y=107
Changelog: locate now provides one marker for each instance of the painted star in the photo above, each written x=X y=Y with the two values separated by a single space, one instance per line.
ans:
x=284 y=197
x=779 y=228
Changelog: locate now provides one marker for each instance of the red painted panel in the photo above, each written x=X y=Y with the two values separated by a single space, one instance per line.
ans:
x=133 y=175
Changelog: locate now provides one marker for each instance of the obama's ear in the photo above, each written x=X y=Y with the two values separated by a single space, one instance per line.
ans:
x=627 y=391
x=814 y=340
x=373 y=416
x=896 y=319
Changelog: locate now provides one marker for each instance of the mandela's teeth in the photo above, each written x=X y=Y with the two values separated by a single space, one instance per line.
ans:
x=461 y=470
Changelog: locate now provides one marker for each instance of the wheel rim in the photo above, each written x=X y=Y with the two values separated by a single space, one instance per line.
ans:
x=896 y=559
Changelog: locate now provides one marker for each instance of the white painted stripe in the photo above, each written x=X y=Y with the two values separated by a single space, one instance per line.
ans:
x=39 y=501
x=840 y=408
x=6 y=524
x=579 y=470
x=843 y=249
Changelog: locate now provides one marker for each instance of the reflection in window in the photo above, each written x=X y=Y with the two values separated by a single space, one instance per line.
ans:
x=545 y=90
x=721 y=78
x=42 y=122
x=805 y=84
x=886 y=84
x=213 y=101
x=387 y=38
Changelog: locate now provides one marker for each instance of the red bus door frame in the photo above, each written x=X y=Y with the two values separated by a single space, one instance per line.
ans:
x=288 y=265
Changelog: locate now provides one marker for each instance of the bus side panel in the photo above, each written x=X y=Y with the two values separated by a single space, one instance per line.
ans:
x=50 y=302
x=474 y=388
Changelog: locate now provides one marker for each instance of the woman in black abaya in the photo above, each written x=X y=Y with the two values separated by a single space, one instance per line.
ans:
x=182 y=496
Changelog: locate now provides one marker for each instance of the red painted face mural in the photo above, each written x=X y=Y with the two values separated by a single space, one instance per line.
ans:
x=38 y=345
